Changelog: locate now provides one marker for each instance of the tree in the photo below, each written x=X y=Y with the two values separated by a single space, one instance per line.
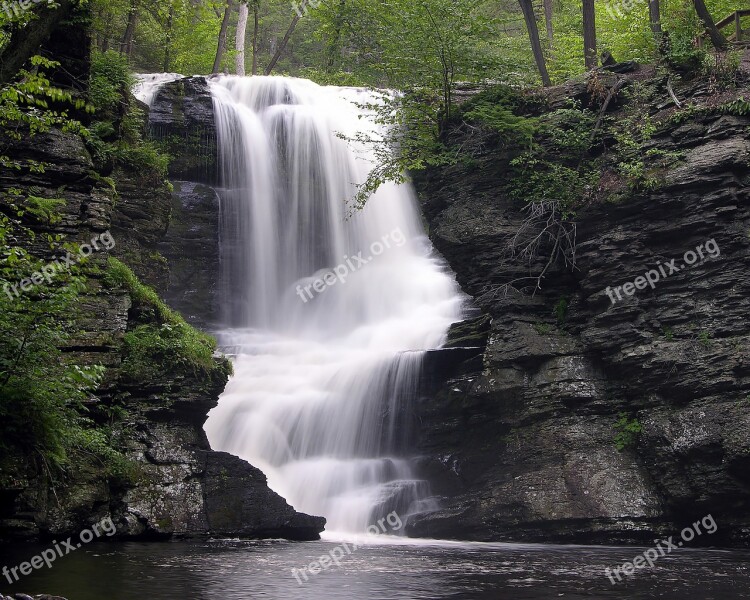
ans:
x=334 y=45
x=717 y=38
x=536 y=46
x=292 y=26
x=239 y=39
x=256 y=28
x=24 y=42
x=589 y=34
x=654 y=13
x=168 y=39
x=126 y=45
x=548 y=21
x=222 y=45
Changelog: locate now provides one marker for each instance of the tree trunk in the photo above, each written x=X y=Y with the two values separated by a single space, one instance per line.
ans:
x=548 y=21
x=126 y=46
x=222 y=46
x=256 y=8
x=589 y=34
x=168 y=40
x=334 y=45
x=654 y=14
x=239 y=40
x=536 y=46
x=299 y=12
x=717 y=38
x=24 y=42
x=107 y=33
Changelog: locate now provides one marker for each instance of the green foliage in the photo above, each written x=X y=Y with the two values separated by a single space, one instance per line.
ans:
x=556 y=166
x=561 y=310
x=116 y=136
x=536 y=179
x=721 y=69
x=628 y=431
x=44 y=209
x=109 y=83
x=167 y=346
x=642 y=168
x=25 y=109
x=42 y=393
x=501 y=120
x=494 y=109
x=143 y=157
x=413 y=144
x=704 y=338
x=683 y=27
x=339 y=78
x=738 y=107
x=152 y=351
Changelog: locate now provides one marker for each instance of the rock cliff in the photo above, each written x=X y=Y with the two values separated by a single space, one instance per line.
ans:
x=593 y=419
x=174 y=484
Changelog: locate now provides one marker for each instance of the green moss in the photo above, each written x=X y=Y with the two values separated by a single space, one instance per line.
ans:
x=561 y=310
x=704 y=337
x=163 y=343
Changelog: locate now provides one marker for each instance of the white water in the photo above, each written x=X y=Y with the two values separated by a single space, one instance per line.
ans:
x=148 y=85
x=320 y=396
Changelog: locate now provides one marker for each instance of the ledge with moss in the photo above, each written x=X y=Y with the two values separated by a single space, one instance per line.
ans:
x=124 y=439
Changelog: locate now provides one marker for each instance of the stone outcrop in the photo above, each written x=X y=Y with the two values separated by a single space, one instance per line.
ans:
x=522 y=445
x=182 y=116
x=175 y=485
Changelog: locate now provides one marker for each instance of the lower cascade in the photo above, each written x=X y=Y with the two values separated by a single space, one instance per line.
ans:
x=327 y=310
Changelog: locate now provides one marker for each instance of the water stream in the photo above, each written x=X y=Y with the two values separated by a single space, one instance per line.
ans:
x=328 y=310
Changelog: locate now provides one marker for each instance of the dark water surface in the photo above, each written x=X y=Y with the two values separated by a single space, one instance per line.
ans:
x=235 y=570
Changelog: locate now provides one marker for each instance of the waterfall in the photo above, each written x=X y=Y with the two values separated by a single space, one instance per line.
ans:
x=328 y=311
x=148 y=85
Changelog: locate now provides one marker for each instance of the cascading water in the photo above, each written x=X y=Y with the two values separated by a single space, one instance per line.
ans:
x=322 y=378
x=148 y=85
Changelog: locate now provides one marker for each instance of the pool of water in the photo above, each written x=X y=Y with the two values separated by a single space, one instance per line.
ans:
x=242 y=570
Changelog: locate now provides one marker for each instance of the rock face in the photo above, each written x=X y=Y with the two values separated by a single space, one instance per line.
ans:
x=182 y=115
x=191 y=249
x=522 y=445
x=175 y=484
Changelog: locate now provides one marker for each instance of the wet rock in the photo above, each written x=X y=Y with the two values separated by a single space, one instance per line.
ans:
x=523 y=446
x=182 y=115
x=191 y=249
x=174 y=485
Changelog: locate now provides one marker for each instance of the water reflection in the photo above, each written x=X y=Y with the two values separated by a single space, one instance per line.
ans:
x=236 y=570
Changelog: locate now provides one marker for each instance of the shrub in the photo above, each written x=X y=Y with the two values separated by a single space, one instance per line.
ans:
x=42 y=392
x=109 y=82
x=628 y=431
